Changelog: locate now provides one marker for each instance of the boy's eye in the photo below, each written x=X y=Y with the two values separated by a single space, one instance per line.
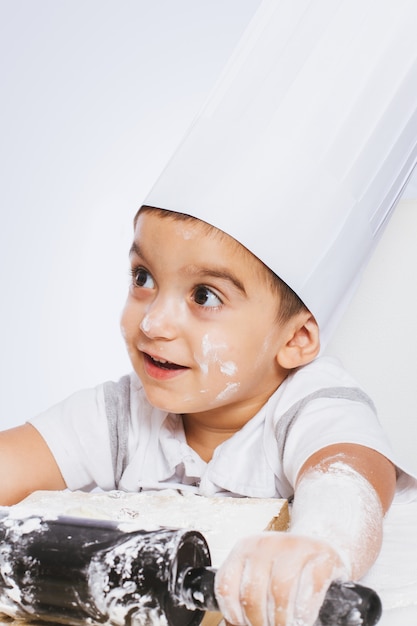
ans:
x=142 y=278
x=205 y=297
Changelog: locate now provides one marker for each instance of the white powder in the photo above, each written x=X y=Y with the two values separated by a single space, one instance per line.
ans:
x=115 y=600
x=222 y=521
x=394 y=575
x=229 y=390
x=229 y=368
x=146 y=324
x=211 y=354
x=340 y=506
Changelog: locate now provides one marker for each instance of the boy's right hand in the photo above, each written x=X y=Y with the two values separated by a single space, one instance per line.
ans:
x=276 y=579
x=26 y=465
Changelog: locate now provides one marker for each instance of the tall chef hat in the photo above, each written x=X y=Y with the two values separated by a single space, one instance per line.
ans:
x=306 y=142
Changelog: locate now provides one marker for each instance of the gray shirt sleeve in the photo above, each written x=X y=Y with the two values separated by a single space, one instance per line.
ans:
x=117 y=406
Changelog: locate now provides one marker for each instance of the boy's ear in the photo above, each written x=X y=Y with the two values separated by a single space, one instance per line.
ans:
x=302 y=342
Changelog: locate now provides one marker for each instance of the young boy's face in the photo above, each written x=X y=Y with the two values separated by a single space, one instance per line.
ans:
x=200 y=321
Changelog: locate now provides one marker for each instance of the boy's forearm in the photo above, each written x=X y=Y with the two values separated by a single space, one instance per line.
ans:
x=26 y=465
x=335 y=502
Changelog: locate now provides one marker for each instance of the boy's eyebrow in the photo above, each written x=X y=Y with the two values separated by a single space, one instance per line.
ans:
x=212 y=272
x=201 y=272
x=135 y=249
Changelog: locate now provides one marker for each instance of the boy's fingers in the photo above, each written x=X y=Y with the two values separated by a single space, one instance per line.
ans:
x=275 y=580
x=227 y=587
x=247 y=589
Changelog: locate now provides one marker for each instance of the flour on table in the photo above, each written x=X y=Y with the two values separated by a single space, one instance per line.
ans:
x=222 y=521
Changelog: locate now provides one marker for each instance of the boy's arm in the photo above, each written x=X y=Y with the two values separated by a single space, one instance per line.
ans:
x=350 y=487
x=26 y=465
x=278 y=579
x=376 y=468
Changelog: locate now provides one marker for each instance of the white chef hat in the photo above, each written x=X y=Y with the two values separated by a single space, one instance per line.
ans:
x=306 y=142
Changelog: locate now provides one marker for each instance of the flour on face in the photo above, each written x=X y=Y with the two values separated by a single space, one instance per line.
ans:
x=229 y=390
x=145 y=324
x=211 y=355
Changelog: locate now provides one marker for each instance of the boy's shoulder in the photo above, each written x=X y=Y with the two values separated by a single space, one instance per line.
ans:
x=324 y=377
x=323 y=370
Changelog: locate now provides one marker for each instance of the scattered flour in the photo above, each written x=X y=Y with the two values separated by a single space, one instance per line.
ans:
x=221 y=520
x=394 y=575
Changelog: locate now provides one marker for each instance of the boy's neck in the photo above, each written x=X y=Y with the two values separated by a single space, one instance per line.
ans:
x=205 y=431
x=205 y=439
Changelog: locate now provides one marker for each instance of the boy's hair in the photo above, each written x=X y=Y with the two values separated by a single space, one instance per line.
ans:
x=290 y=303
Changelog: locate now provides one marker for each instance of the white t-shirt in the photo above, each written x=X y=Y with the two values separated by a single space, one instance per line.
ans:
x=112 y=438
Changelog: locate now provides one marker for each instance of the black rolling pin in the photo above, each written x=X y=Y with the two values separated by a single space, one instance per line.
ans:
x=345 y=604
x=73 y=570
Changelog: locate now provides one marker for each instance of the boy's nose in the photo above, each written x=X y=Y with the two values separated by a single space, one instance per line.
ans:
x=161 y=320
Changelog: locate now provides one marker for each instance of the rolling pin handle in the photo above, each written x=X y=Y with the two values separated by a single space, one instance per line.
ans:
x=345 y=604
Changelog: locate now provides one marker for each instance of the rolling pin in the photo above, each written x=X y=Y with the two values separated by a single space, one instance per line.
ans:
x=73 y=570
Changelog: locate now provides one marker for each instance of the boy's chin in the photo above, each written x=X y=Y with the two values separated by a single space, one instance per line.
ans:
x=163 y=403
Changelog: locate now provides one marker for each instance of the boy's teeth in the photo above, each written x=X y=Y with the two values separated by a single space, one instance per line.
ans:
x=165 y=364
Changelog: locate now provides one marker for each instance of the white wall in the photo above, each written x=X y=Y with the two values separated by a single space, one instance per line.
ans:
x=96 y=95
x=377 y=338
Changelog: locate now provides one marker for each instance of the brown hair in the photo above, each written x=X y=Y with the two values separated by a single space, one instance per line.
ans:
x=290 y=303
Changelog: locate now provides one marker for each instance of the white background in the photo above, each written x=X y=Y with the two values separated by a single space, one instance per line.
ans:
x=96 y=94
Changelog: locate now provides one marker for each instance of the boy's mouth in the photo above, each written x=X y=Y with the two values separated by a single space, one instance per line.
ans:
x=162 y=363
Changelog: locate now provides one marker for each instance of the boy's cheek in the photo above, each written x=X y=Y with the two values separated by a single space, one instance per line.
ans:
x=129 y=321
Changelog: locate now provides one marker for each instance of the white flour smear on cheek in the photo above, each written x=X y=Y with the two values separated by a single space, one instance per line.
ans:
x=191 y=398
x=210 y=352
x=229 y=368
x=263 y=350
x=229 y=390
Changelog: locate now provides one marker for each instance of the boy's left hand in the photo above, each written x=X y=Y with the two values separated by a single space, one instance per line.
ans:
x=276 y=579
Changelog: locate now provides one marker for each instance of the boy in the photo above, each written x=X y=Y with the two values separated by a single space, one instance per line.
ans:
x=229 y=395
x=223 y=351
